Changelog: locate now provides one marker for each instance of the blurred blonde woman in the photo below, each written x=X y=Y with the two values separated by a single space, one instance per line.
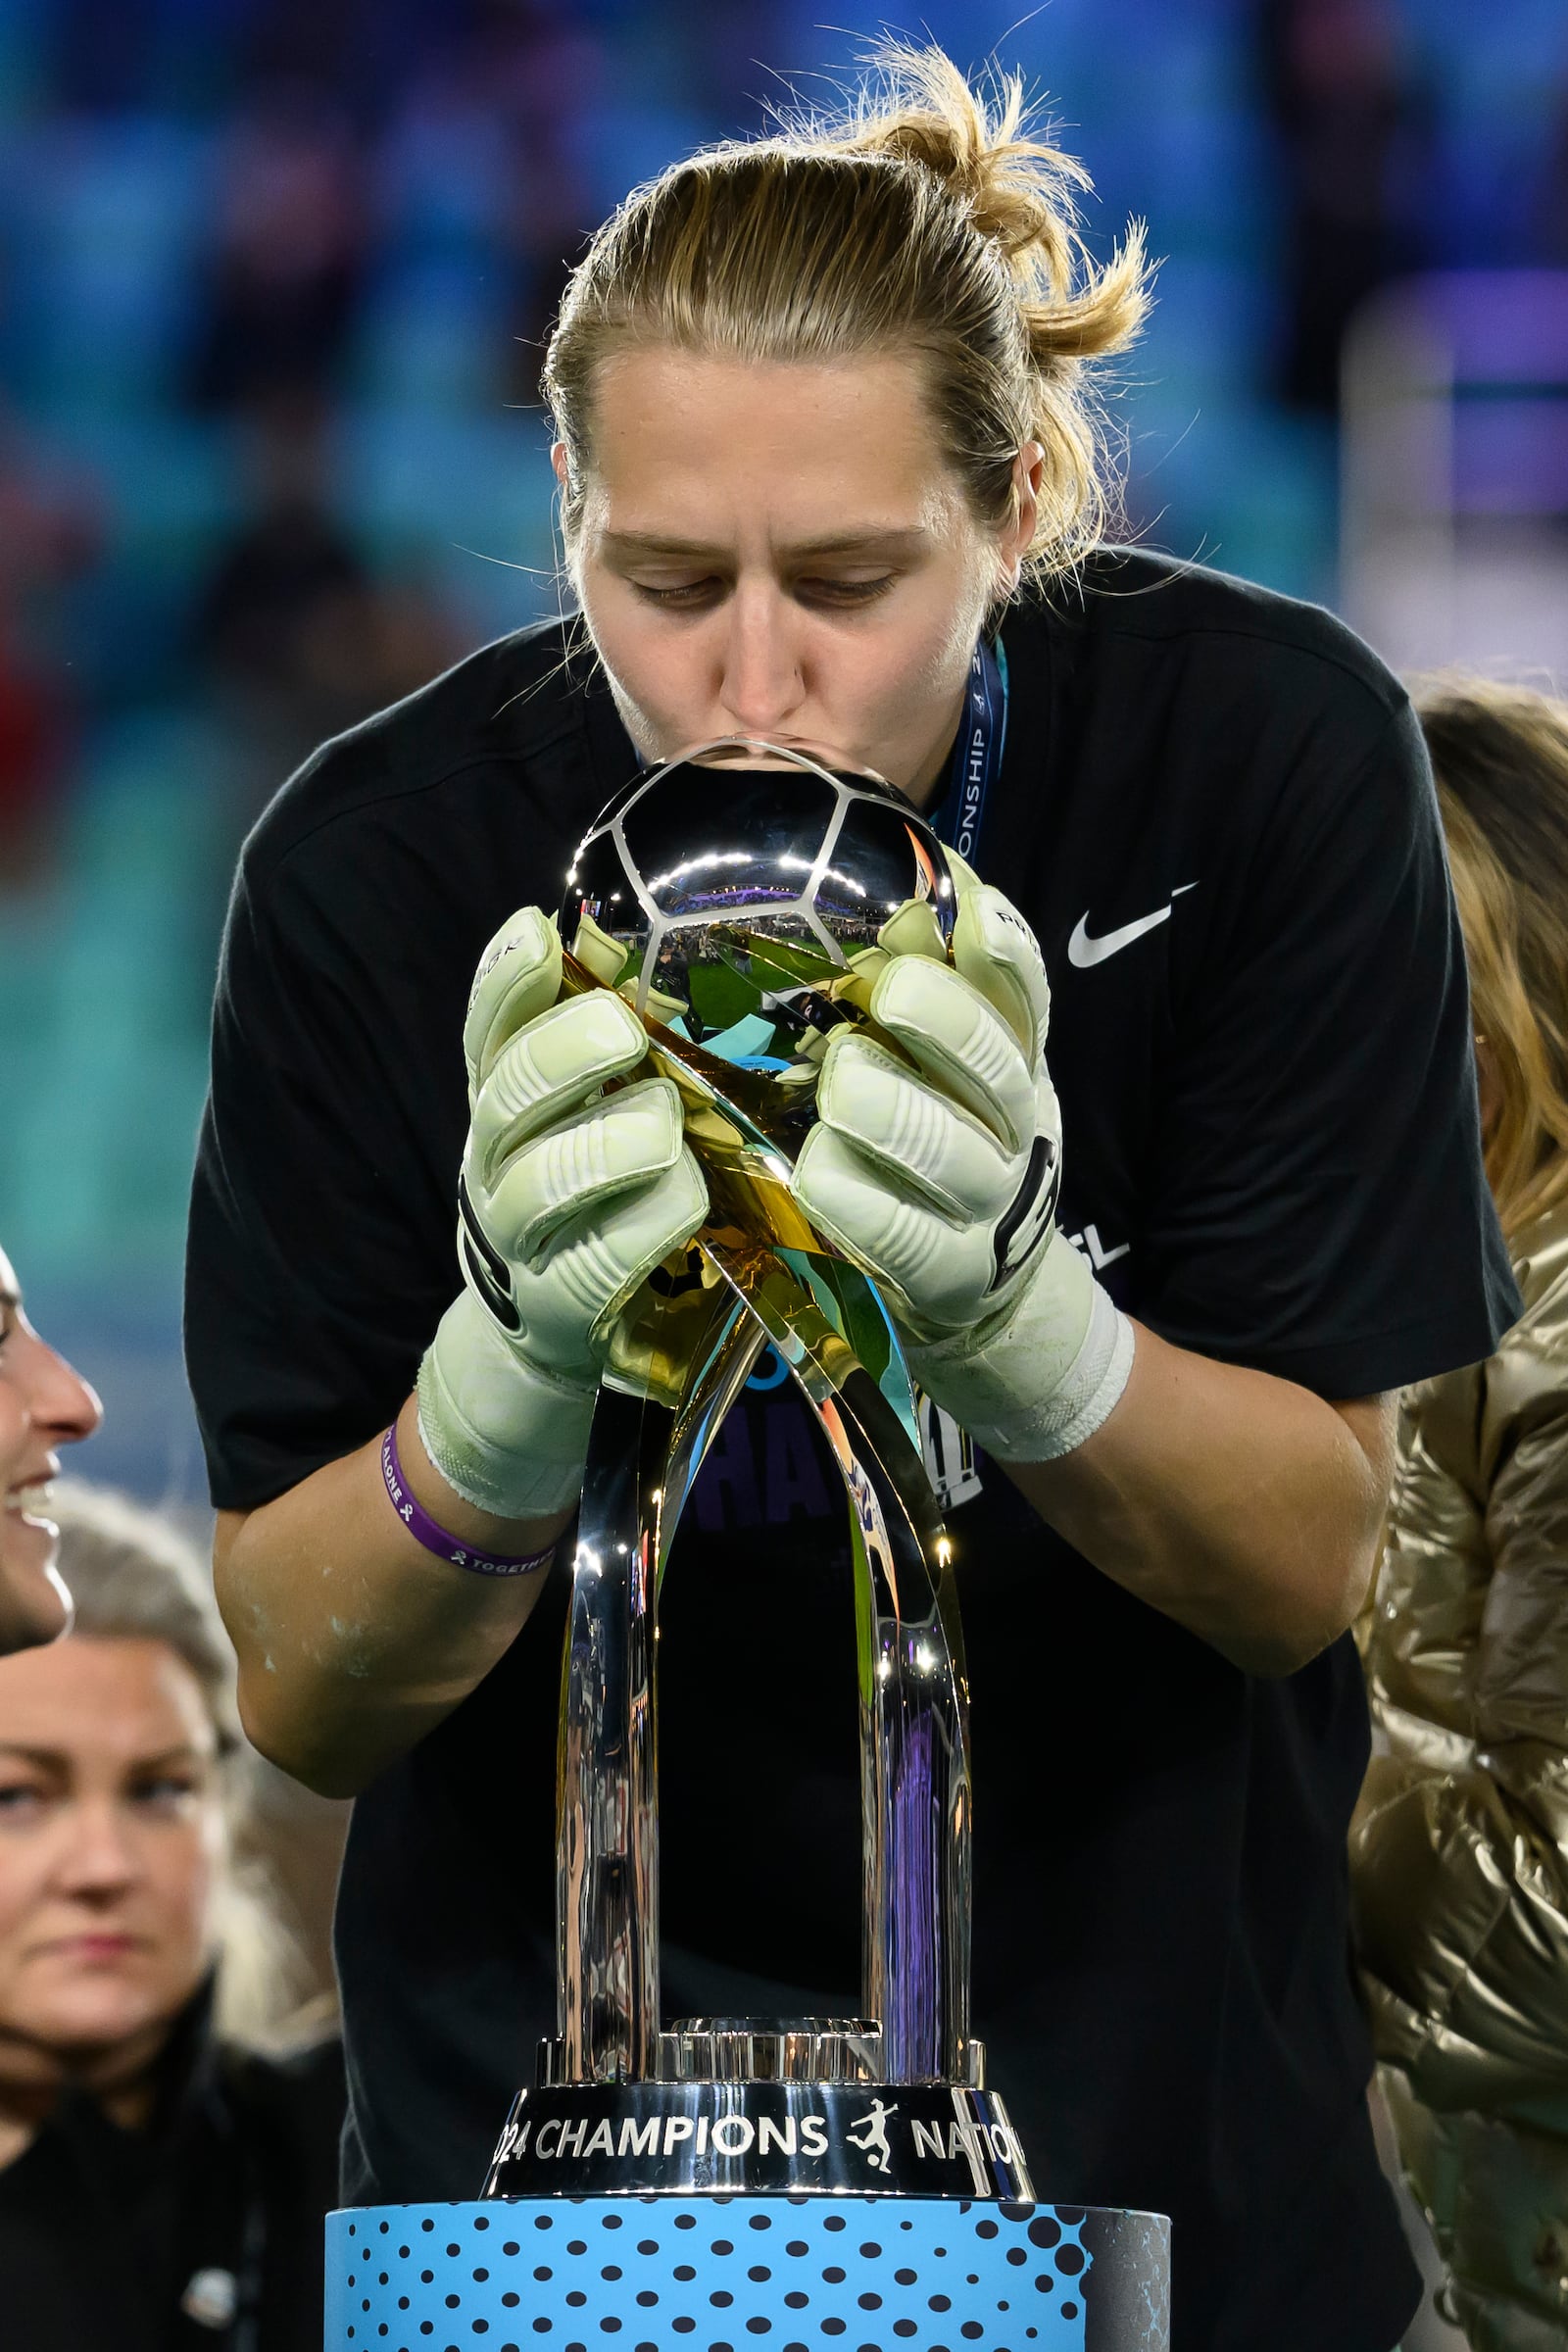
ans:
x=1461 y=1845
x=161 y=2179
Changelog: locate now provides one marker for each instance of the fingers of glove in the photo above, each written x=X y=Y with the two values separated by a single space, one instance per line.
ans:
x=964 y=877
x=604 y=956
x=954 y=1037
x=913 y=930
x=924 y=1145
x=519 y=977
x=609 y=1148
x=996 y=953
x=929 y=1268
x=561 y=1057
x=568 y=1305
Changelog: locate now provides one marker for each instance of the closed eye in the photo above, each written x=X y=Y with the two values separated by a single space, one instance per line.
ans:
x=686 y=595
x=846 y=594
x=833 y=595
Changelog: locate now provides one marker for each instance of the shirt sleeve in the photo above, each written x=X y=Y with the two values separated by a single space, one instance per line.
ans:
x=1319 y=1208
x=321 y=1252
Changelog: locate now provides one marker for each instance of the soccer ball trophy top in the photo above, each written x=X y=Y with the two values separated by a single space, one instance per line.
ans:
x=723 y=2179
x=730 y=889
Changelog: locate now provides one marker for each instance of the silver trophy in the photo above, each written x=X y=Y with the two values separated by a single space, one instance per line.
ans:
x=787 y=2176
x=739 y=906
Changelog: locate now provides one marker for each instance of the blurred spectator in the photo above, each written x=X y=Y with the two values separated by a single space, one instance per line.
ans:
x=359 y=50
x=1348 y=127
x=291 y=630
x=48 y=532
x=32 y=743
x=287 y=256
x=286 y=565
x=162 y=2161
x=1553 y=207
x=538 y=73
x=101 y=51
x=1459 y=1850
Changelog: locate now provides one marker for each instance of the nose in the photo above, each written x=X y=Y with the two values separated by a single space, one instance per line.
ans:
x=762 y=687
x=60 y=1405
x=98 y=1861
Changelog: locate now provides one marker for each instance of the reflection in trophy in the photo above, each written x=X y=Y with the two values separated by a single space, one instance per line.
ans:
x=743 y=899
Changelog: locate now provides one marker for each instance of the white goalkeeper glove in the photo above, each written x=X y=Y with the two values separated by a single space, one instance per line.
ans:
x=570 y=1198
x=938 y=1175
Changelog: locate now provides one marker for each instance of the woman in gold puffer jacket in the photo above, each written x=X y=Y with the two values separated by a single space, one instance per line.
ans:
x=1459 y=1850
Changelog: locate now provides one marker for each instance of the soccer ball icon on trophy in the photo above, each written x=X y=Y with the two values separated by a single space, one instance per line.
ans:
x=743 y=898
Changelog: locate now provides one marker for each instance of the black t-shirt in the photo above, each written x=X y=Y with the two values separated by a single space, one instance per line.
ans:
x=1271 y=1156
x=116 y=2240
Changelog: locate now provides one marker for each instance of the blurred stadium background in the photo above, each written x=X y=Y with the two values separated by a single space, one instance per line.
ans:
x=273 y=279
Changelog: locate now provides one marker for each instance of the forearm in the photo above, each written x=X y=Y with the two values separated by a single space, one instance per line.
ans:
x=1240 y=1504
x=354 y=1640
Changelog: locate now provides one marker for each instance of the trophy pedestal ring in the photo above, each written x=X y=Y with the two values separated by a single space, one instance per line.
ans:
x=797 y=2273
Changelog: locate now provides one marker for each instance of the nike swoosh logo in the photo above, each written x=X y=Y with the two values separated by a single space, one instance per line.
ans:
x=1083 y=950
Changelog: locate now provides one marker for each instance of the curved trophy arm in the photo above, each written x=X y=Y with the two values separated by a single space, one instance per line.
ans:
x=717 y=1383
x=915 y=1792
x=642 y=1458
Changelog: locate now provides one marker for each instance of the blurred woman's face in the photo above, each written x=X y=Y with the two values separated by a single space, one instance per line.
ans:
x=783 y=551
x=43 y=1405
x=110 y=1837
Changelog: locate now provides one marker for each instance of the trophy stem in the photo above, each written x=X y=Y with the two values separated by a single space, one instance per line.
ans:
x=607 y=1844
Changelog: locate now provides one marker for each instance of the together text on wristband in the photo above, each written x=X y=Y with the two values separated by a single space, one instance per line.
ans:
x=435 y=1538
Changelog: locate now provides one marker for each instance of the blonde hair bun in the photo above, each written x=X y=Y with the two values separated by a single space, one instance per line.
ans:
x=926 y=217
x=1019 y=191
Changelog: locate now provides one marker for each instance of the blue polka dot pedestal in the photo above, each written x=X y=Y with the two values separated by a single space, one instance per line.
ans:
x=719 y=2274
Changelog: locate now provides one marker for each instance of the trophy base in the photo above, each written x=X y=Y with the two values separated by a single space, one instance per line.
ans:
x=873 y=2274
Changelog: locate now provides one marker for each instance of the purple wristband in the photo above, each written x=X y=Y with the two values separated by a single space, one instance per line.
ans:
x=424 y=1530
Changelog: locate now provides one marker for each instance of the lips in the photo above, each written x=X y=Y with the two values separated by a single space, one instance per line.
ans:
x=95 y=1950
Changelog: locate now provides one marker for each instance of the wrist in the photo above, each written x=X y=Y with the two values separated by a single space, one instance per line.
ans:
x=452 y=1529
x=1035 y=1383
x=507 y=1439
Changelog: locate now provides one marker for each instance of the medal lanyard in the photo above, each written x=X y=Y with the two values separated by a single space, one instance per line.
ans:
x=977 y=754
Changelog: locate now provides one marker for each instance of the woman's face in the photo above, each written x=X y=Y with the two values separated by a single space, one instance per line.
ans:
x=43 y=1405
x=110 y=1833
x=783 y=551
